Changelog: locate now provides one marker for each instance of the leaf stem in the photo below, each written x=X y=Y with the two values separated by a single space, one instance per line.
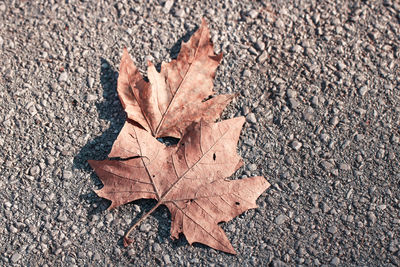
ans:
x=127 y=240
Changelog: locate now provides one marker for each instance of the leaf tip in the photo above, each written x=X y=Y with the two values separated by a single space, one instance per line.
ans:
x=239 y=164
x=125 y=52
x=233 y=252
x=203 y=22
x=239 y=121
x=92 y=163
x=229 y=249
x=217 y=58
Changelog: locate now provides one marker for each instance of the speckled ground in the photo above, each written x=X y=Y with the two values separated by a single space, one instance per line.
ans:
x=318 y=82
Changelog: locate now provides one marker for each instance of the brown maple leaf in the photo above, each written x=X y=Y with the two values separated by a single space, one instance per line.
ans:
x=189 y=178
x=174 y=97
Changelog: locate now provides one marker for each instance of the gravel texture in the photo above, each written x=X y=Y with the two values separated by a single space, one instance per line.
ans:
x=318 y=82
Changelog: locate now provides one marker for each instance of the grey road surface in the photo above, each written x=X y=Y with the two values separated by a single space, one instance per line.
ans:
x=318 y=82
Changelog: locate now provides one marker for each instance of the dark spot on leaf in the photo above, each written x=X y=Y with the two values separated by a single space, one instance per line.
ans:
x=237 y=203
x=207 y=98
x=191 y=200
x=125 y=159
x=168 y=141
x=214 y=156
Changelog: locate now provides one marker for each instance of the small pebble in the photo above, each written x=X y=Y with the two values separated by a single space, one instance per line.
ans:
x=308 y=116
x=180 y=13
x=341 y=66
x=279 y=23
x=344 y=167
x=359 y=137
x=91 y=97
x=334 y=121
x=381 y=207
x=281 y=219
x=253 y=51
x=166 y=259
x=262 y=57
x=291 y=93
x=167 y=6
x=63 y=77
x=145 y=227
x=289 y=160
x=371 y=218
x=67 y=243
x=278 y=263
x=46 y=45
x=296 y=49
x=260 y=45
x=363 y=90
x=16 y=257
x=326 y=165
x=90 y=81
x=253 y=14
x=156 y=247
x=294 y=186
x=50 y=160
x=294 y=103
x=13 y=229
x=95 y=218
x=296 y=145
x=80 y=70
x=252 y=167
x=7 y=204
x=131 y=252
x=117 y=251
x=246 y=73
x=109 y=217
x=96 y=257
x=315 y=101
x=35 y=170
x=67 y=175
x=324 y=138
x=251 y=118
x=335 y=261
x=245 y=110
x=137 y=208
x=332 y=229
x=325 y=207
x=62 y=218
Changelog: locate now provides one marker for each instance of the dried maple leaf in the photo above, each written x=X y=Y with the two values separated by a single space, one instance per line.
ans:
x=189 y=178
x=174 y=97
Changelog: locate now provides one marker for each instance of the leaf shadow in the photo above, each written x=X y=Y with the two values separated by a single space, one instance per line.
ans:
x=98 y=148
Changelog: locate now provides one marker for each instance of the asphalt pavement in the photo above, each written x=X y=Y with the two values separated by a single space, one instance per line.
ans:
x=318 y=82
